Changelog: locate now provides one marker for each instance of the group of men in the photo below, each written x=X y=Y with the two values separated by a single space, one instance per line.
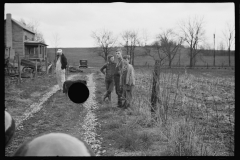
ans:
x=121 y=75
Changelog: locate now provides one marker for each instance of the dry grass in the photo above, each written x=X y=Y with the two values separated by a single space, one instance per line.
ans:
x=195 y=113
x=194 y=116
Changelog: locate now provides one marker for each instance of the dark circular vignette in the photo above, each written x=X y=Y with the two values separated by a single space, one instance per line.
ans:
x=78 y=93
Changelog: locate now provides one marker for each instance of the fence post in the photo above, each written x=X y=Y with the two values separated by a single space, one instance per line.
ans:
x=156 y=73
x=36 y=69
x=19 y=69
x=46 y=64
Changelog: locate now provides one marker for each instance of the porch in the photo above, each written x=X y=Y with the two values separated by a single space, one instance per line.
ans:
x=35 y=50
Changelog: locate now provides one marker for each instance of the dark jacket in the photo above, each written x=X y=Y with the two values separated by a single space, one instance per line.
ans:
x=118 y=68
x=63 y=61
x=110 y=70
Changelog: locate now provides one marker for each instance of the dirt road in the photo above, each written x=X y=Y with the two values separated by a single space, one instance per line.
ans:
x=54 y=112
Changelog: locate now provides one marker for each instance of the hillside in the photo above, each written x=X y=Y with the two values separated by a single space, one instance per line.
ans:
x=75 y=54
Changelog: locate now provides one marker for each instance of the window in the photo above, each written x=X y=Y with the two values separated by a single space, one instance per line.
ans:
x=26 y=38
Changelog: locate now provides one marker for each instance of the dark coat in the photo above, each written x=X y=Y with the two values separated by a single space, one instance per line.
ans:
x=118 y=68
x=110 y=70
x=63 y=61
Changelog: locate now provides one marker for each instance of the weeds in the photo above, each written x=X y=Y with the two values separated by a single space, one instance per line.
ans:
x=189 y=99
x=191 y=116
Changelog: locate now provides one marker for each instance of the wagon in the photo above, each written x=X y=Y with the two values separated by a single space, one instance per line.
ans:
x=30 y=65
x=83 y=63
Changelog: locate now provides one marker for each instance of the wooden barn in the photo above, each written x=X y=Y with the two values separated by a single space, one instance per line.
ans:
x=20 y=40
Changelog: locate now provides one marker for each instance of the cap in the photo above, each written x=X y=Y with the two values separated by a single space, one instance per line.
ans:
x=59 y=51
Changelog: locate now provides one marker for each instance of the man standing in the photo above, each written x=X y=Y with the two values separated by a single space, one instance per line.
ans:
x=109 y=73
x=127 y=81
x=117 y=76
x=60 y=68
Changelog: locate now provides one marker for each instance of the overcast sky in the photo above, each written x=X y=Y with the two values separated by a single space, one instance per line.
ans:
x=74 y=22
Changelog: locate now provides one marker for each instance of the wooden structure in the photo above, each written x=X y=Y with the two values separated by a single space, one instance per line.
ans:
x=155 y=88
x=20 y=44
x=20 y=40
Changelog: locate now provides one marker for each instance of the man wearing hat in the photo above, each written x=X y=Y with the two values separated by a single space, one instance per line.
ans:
x=109 y=72
x=117 y=76
x=61 y=66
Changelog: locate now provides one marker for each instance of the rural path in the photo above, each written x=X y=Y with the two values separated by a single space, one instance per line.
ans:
x=56 y=113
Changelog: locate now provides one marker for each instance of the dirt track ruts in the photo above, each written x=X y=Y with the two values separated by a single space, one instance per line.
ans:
x=59 y=114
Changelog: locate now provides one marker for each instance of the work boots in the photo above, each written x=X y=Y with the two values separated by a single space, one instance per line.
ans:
x=107 y=95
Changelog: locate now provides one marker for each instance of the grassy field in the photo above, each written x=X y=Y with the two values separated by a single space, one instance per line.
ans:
x=75 y=54
x=194 y=116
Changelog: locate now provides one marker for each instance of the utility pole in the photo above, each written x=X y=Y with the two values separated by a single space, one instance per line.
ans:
x=214 y=51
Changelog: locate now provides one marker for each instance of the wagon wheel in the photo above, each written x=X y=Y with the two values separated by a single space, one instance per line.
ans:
x=28 y=69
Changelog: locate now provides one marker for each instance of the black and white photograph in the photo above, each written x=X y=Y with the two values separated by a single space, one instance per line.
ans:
x=119 y=79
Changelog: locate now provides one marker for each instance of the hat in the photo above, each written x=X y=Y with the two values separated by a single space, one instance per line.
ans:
x=109 y=56
x=59 y=51
x=119 y=50
x=126 y=57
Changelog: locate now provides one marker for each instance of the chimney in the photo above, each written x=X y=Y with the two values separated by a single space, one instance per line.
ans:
x=9 y=30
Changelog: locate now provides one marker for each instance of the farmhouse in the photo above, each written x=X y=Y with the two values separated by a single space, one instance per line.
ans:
x=20 y=40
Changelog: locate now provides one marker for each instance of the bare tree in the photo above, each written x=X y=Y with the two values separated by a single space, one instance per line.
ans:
x=154 y=51
x=56 y=42
x=33 y=26
x=105 y=41
x=229 y=37
x=145 y=37
x=193 y=34
x=170 y=44
x=146 y=49
x=131 y=41
x=126 y=39
x=221 y=48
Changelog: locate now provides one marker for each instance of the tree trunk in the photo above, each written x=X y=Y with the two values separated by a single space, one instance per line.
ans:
x=194 y=61
x=55 y=59
x=19 y=68
x=130 y=60
x=55 y=55
x=214 y=51
x=105 y=57
x=105 y=54
x=46 y=65
x=133 y=58
x=170 y=63
x=190 y=58
x=154 y=95
x=179 y=60
x=229 y=56
x=214 y=58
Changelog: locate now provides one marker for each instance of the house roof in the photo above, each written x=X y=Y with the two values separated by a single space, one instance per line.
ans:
x=23 y=26
x=34 y=42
